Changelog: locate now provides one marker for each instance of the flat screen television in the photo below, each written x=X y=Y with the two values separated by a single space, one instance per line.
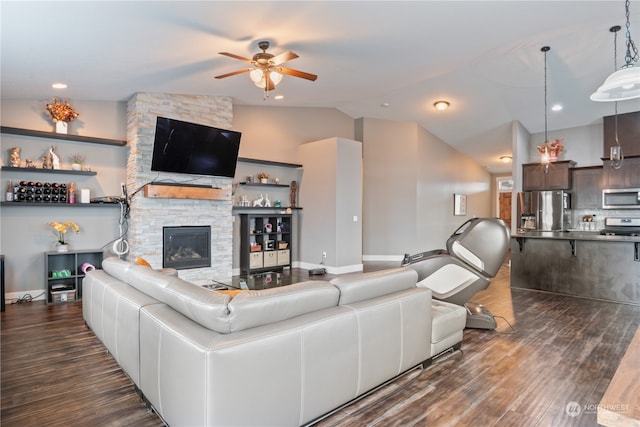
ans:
x=196 y=149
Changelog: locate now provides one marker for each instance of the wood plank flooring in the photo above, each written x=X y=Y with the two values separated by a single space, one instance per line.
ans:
x=55 y=372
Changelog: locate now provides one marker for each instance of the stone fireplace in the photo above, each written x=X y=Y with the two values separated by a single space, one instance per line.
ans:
x=149 y=216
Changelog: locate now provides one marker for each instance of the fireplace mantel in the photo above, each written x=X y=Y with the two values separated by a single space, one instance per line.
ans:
x=160 y=191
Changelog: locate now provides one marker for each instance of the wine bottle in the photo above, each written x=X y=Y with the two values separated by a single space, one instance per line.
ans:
x=9 y=195
x=72 y=193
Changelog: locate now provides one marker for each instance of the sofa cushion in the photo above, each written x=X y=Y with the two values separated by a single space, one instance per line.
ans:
x=254 y=308
x=362 y=286
x=206 y=307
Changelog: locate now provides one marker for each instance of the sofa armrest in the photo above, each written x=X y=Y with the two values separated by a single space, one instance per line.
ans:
x=363 y=286
x=117 y=267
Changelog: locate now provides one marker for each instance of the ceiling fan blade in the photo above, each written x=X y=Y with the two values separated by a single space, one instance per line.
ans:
x=297 y=73
x=233 y=73
x=283 y=57
x=233 y=55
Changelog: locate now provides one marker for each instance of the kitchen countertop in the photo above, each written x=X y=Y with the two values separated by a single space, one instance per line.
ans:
x=575 y=235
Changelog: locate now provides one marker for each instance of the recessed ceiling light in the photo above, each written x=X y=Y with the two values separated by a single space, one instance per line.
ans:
x=556 y=107
x=59 y=86
x=441 y=105
x=278 y=97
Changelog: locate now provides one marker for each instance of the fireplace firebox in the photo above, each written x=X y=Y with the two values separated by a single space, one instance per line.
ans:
x=186 y=247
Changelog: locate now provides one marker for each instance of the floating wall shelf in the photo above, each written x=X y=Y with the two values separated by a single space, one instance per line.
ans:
x=61 y=136
x=40 y=170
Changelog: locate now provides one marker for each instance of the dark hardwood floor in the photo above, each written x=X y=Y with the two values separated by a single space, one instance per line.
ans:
x=55 y=372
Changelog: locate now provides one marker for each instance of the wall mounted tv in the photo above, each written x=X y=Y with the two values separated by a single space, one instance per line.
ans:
x=191 y=148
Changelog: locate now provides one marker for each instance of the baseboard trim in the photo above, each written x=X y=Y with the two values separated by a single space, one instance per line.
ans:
x=35 y=294
x=333 y=270
x=387 y=258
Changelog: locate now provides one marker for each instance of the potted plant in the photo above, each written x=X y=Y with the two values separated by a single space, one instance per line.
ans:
x=60 y=230
x=264 y=177
x=76 y=162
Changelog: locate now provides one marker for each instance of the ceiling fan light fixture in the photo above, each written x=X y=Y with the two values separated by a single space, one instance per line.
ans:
x=441 y=105
x=256 y=75
x=275 y=77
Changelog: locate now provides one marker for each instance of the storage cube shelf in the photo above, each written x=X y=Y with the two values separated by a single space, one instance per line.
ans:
x=265 y=242
x=63 y=272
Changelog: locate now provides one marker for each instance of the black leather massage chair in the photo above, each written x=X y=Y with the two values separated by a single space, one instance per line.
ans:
x=473 y=256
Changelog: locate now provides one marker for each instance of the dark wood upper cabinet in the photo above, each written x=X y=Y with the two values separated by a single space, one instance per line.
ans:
x=628 y=134
x=586 y=188
x=627 y=176
x=556 y=177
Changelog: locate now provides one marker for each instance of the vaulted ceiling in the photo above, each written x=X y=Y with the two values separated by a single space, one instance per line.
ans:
x=389 y=60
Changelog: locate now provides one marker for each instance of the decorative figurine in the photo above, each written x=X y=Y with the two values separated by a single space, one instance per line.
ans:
x=29 y=163
x=258 y=202
x=55 y=160
x=47 y=161
x=294 y=191
x=267 y=202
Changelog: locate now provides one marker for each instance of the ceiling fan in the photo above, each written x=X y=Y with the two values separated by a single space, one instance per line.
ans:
x=267 y=70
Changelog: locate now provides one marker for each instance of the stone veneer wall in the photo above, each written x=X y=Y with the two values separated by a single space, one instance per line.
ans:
x=149 y=215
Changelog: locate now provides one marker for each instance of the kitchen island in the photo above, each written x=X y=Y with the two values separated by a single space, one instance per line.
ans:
x=579 y=263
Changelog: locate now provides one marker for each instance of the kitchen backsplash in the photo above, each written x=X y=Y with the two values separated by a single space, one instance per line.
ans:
x=598 y=215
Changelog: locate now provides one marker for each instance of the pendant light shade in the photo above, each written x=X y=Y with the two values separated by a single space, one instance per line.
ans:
x=623 y=84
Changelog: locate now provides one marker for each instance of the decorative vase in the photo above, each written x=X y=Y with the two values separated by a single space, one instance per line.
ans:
x=62 y=247
x=15 y=157
x=553 y=156
x=76 y=166
x=263 y=180
x=62 y=127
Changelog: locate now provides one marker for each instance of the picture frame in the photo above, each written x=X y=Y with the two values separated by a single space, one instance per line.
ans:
x=459 y=204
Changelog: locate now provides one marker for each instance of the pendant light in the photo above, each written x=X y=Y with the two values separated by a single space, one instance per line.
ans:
x=545 y=158
x=623 y=84
x=615 y=155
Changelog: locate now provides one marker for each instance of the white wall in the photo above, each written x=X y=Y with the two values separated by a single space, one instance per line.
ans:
x=331 y=194
x=583 y=145
x=410 y=177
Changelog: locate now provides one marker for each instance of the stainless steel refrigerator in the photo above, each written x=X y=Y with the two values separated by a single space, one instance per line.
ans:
x=543 y=210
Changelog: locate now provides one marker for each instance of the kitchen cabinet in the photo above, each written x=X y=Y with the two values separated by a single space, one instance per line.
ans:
x=627 y=176
x=556 y=177
x=587 y=193
x=628 y=134
x=265 y=242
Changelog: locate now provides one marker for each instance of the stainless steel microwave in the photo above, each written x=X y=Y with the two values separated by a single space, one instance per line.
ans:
x=621 y=198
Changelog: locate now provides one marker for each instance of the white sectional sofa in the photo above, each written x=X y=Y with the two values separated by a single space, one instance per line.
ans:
x=277 y=357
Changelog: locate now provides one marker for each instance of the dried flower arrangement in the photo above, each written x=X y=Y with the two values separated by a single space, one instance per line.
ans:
x=61 y=111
